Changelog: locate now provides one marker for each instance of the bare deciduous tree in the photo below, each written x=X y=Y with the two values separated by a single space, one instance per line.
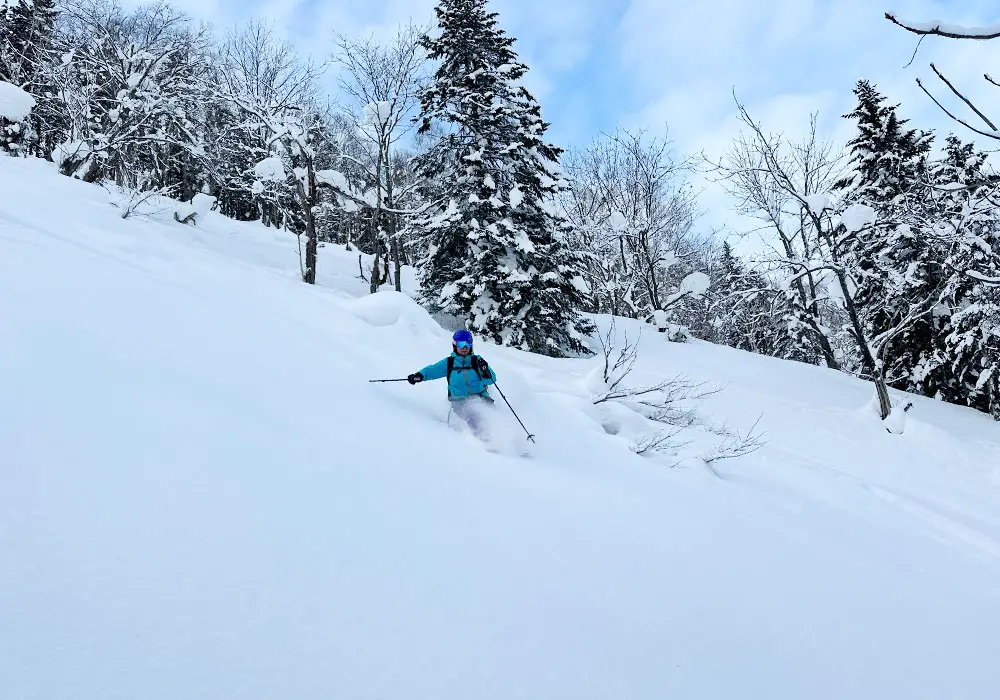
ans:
x=382 y=85
x=736 y=444
x=669 y=402
x=634 y=215
x=617 y=369
x=774 y=182
x=276 y=99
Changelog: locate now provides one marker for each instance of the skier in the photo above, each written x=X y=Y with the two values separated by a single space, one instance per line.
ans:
x=468 y=378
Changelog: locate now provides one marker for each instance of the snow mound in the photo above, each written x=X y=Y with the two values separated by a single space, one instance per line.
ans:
x=198 y=208
x=15 y=103
x=389 y=308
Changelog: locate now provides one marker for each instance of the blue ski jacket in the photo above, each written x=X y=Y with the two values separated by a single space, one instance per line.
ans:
x=464 y=381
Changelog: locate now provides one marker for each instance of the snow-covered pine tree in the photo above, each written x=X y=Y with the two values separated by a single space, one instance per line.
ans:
x=966 y=366
x=182 y=163
x=497 y=244
x=892 y=260
x=973 y=348
x=887 y=159
x=741 y=313
x=27 y=29
x=749 y=313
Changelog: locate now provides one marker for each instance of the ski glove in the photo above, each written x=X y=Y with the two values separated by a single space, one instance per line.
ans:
x=483 y=367
x=414 y=378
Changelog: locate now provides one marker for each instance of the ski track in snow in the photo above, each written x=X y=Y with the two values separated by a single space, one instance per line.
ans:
x=960 y=527
x=949 y=522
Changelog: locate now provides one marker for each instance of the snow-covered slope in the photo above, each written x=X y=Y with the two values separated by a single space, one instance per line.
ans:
x=202 y=497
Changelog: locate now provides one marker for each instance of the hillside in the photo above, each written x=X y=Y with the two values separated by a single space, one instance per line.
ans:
x=203 y=497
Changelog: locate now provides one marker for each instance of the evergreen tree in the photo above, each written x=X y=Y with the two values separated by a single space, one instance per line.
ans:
x=892 y=260
x=936 y=221
x=887 y=160
x=497 y=244
x=27 y=30
x=965 y=368
x=750 y=313
x=972 y=349
x=742 y=313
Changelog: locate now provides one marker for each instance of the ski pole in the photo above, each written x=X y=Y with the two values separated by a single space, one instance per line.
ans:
x=530 y=436
x=404 y=379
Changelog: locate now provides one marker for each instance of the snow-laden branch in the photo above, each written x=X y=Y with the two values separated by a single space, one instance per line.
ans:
x=949 y=31
x=992 y=281
x=953 y=31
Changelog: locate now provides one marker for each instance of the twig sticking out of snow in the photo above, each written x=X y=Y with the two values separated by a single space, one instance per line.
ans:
x=668 y=402
x=129 y=200
x=662 y=441
x=738 y=444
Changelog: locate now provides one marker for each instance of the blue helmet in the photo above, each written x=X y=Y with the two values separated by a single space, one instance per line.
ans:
x=462 y=339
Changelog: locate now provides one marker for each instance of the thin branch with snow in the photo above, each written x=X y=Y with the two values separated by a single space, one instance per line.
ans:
x=936 y=28
x=738 y=445
x=949 y=31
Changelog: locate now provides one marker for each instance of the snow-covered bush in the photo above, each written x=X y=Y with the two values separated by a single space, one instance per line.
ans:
x=195 y=210
x=662 y=416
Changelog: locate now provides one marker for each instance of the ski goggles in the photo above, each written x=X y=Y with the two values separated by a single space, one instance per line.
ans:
x=463 y=344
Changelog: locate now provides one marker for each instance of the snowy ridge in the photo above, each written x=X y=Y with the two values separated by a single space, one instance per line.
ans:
x=205 y=498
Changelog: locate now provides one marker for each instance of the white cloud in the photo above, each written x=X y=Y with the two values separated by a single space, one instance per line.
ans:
x=786 y=59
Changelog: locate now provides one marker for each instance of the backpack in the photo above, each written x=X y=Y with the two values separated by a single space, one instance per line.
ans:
x=474 y=359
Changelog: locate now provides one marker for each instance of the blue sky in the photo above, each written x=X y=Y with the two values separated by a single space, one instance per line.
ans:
x=672 y=65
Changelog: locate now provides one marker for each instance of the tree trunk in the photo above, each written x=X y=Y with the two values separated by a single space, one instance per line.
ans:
x=868 y=364
x=344 y=232
x=307 y=198
x=377 y=277
x=390 y=201
x=882 y=389
x=395 y=252
x=653 y=287
x=867 y=361
x=309 y=276
x=824 y=345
